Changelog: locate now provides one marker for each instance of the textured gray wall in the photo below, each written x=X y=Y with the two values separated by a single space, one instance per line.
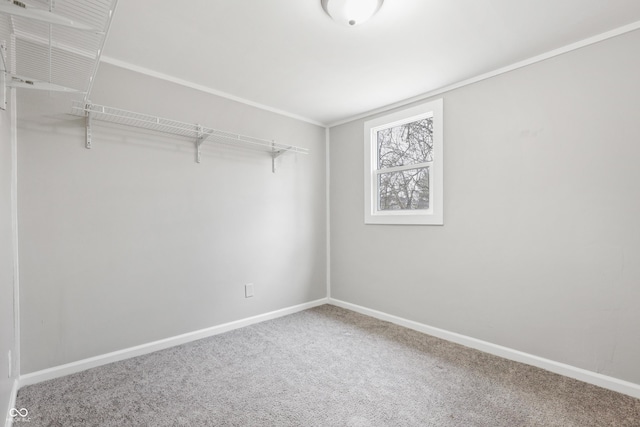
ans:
x=132 y=241
x=540 y=250
x=7 y=259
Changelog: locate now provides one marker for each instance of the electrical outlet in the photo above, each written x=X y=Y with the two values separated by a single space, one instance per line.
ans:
x=248 y=290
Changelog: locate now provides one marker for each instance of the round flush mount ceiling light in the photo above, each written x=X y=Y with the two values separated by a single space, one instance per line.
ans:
x=351 y=12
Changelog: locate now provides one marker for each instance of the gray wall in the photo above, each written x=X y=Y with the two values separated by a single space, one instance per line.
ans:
x=7 y=259
x=132 y=241
x=540 y=250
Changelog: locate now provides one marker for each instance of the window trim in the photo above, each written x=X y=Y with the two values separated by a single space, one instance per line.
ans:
x=435 y=214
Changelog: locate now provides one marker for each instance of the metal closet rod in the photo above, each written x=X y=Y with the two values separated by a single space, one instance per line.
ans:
x=191 y=130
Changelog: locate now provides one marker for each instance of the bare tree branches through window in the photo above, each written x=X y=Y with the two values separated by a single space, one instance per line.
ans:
x=404 y=145
x=403 y=166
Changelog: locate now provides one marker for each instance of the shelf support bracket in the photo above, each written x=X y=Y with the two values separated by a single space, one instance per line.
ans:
x=3 y=77
x=275 y=154
x=200 y=138
x=88 y=121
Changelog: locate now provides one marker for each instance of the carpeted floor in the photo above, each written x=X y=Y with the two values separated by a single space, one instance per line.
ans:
x=323 y=367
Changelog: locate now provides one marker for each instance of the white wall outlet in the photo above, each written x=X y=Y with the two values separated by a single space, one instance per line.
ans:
x=248 y=290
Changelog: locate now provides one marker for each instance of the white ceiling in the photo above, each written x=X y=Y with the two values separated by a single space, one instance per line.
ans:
x=290 y=56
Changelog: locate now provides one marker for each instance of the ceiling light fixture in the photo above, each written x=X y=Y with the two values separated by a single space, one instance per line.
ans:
x=351 y=12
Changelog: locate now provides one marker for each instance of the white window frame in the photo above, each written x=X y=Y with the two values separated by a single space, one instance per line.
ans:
x=435 y=214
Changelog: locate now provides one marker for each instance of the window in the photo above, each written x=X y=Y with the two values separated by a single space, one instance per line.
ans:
x=403 y=167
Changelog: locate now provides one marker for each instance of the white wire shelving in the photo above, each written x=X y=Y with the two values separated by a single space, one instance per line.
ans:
x=54 y=45
x=200 y=134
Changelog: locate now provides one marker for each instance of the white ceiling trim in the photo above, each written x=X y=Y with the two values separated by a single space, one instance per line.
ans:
x=205 y=89
x=556 y=52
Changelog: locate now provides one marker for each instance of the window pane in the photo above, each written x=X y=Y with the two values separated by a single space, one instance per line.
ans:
x=406 y=144
x=404 y=190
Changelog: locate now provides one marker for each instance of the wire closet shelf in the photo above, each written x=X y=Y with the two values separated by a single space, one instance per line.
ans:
x=54 y=45
x=198 y=133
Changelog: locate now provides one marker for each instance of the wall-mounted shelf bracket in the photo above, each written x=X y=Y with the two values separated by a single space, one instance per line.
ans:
x=3 y=90
x=4 y=69
x=201 y=136
x=88 y=120
x=275 y=153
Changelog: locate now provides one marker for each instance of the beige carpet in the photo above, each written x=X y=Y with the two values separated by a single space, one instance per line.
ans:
x=323 y=367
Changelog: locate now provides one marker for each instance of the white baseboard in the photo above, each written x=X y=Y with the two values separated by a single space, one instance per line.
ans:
x=92 y=362
x=584 y=375
x=590 y=377
x=12 y=404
